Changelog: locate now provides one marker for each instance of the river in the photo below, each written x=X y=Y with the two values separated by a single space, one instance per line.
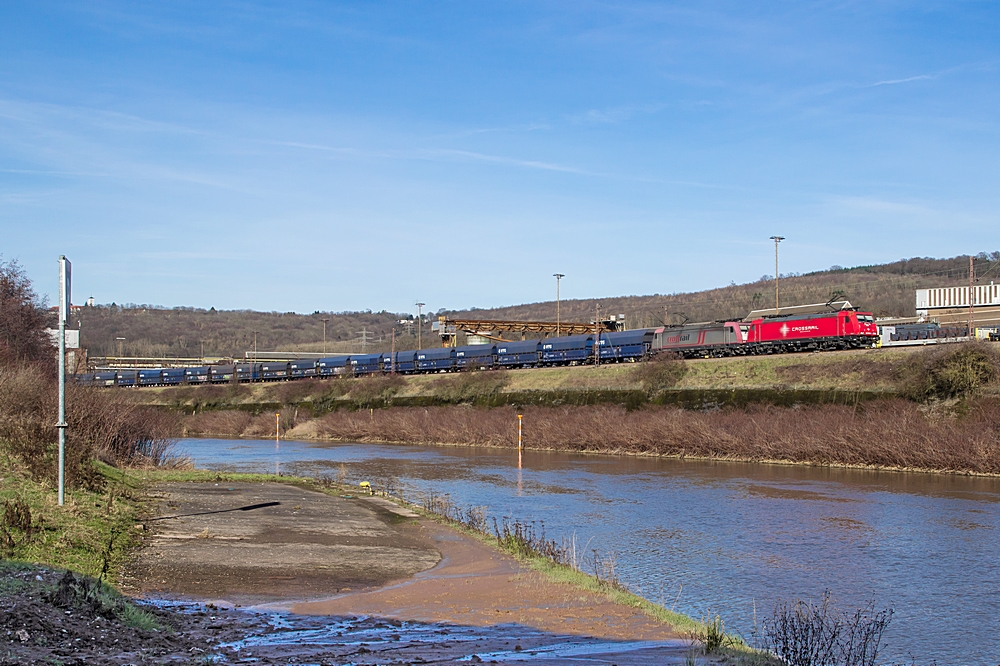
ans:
x=733 y=538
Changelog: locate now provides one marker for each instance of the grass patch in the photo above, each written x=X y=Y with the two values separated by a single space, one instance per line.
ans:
x=92 y=533
x=69 y=591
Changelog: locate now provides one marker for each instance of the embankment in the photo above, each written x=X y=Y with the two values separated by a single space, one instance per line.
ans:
x=927 y=409
x=891 y=434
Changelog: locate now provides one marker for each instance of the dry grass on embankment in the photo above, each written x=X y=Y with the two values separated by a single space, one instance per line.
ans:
x=884 y=433
x=950 y=420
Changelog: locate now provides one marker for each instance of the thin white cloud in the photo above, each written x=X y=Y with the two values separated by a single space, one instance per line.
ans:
x=876 y=205
x=892 y=82
x=496 y=159
x=616 y=114
x=436 y=154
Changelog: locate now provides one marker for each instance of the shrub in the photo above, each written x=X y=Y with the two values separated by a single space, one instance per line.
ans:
x=949 y=372
x=804 y=634
x=106 y=425
x=467 y=386
x=661 y=372
x=712 y=635
x=376 y=390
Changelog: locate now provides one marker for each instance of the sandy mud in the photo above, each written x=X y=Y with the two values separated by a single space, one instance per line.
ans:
x=360 y=580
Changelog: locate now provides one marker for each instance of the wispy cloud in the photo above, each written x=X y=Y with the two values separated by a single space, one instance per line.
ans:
x=892 y=82
x=616 y=114
x=510 y=161
x=877 y=205
x=437 y=154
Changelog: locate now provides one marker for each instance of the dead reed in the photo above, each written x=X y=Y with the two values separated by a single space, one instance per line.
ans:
x=887 y=433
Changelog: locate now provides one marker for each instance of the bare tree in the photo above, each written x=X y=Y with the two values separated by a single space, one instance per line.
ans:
x=23 y=320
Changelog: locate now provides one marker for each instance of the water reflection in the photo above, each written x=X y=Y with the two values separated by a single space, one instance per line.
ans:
x=727 y=536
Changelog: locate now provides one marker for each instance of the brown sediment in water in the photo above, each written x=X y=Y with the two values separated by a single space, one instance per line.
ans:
x=476 y=585
x=316 y=554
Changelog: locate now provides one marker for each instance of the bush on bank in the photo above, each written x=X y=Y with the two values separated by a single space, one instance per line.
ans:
x=949 y=371
x=103 y=425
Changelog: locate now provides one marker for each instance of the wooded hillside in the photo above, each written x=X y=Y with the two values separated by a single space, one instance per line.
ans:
x=886 y=290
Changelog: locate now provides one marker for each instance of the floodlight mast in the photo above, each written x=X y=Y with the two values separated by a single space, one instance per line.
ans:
x=776 y=239
x=558 y=277
x=420 y=311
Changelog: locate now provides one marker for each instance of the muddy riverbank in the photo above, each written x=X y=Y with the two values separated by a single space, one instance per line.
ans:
x=48 y=616
x=319 y=561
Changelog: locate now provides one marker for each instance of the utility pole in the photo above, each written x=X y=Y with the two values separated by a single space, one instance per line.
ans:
x=558 y=277
x=121 y=341
x=65 y=299
x=776 y=239
x=324 y=333
x=201 y=358
x=419 y=325
x=363 y=334
x=392 y=352
x=597 y=330
x=254 y=349
x=972 y=298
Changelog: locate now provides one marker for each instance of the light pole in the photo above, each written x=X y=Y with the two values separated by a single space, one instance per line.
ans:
x=65 y=305
x=121 y=341
x=776 y=239
x=324 y=333
x=419 y=326
x=558 y=277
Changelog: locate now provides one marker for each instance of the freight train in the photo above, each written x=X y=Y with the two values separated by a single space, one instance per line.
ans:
x=820 y=331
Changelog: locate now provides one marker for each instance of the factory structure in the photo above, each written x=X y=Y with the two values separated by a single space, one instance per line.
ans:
x=951 y=305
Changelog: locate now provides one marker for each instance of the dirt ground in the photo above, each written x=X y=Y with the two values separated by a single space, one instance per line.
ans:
x=329 y=580
x=250 y=543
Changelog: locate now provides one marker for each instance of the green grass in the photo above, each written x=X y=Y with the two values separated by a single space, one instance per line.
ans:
x=83 y=591
x=93 y=533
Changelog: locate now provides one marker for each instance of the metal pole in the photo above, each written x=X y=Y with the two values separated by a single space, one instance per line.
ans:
x=972 y=298
x=277 y=437
x=597 y=329
x=419 y=326
x=520 y=446
x=392 y=352
x=62 y=409
x=324 y=334
x=558 y=277
x=776 y=239
x=519 y=438
x=65 y=298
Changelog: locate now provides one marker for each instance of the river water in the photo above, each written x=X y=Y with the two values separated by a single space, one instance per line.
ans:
x=733 y=538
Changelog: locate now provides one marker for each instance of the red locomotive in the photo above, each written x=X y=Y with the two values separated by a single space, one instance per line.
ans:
x=802 y=328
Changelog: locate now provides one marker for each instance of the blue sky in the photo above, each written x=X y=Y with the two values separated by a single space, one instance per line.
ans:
x=342 y=156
